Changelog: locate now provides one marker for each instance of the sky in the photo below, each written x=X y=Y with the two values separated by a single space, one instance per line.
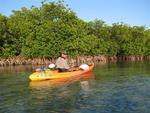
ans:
x=131 y=12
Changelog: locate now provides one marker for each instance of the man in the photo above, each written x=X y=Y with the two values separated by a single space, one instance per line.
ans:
x=61 y=62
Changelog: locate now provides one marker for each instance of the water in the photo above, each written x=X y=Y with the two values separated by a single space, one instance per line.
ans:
x=112 y=88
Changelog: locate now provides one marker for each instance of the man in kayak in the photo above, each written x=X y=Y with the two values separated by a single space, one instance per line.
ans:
x=62 y=64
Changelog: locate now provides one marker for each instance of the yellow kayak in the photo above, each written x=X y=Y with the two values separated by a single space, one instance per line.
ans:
x=53 y=83
x=46 y=75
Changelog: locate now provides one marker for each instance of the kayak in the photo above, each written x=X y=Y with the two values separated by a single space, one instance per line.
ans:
x=47 y=75
x=53 y=83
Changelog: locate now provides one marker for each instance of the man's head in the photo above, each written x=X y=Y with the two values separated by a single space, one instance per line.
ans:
x=64 y=54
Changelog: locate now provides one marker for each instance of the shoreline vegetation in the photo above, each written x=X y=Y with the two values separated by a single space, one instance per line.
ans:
x=37 y=35
x=72 y=61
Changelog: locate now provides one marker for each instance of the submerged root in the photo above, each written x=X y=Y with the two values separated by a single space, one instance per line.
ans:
x=72 y=61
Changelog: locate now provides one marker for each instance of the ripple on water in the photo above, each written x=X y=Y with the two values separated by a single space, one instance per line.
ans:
x=115 y=88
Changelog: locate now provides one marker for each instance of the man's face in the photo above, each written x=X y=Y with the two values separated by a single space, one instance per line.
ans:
x=64 y=55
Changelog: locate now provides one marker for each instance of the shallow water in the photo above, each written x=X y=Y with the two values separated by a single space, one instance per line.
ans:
x=111 y=88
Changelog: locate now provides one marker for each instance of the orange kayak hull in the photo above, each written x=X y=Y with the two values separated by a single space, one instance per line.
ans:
x=36 y=76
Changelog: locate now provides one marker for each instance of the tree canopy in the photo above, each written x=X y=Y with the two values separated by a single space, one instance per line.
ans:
x=45 y=31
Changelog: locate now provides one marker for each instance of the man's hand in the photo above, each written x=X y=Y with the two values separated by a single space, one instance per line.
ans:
x=74 y=69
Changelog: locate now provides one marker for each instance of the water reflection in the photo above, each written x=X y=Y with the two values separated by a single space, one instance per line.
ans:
x=16 y=69
x=85 y=85
x=114 y=88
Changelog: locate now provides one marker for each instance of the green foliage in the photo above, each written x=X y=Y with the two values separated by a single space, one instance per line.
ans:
x=53 y=27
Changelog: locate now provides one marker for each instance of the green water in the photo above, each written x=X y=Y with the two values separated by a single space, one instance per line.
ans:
x=113 y=88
